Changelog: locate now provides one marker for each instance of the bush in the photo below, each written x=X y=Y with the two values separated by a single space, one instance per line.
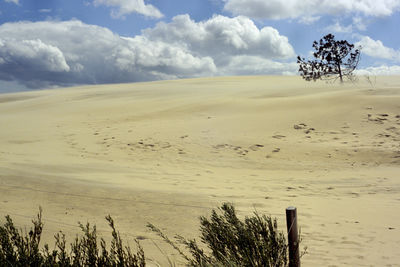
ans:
x=232 y=242
x=17 y=249
x=255 y=241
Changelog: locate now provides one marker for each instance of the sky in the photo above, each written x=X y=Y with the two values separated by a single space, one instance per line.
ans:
x=59 y=43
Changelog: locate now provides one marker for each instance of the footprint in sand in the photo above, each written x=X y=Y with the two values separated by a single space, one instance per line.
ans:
x=256 y=147
x=309 y=130
x=378 y=118
x=300 y=126
x=306 y=129
x=238 y=149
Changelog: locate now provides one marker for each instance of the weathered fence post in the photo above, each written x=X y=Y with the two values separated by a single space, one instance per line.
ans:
x=293 y=237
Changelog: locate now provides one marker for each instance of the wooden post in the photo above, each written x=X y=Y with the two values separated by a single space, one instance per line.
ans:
x=293 y=237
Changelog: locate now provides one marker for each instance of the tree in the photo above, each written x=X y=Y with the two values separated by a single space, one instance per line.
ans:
x=333 y=60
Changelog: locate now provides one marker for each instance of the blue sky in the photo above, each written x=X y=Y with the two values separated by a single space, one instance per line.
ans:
x=53 y=43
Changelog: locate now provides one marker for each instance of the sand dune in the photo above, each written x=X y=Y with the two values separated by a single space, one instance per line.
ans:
x=167 y=152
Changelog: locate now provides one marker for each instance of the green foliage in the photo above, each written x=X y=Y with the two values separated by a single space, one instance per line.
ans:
x=255 y=241
x=225 y=241
x=17 y=249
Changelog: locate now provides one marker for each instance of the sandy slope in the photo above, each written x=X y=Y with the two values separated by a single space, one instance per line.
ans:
x=167 y=152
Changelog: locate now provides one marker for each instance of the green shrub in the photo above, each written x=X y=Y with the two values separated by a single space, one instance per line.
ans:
x=17 y=249
x=255 y=241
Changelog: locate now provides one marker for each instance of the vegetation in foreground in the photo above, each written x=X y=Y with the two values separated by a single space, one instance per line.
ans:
x=18 y=249
x=255 y=241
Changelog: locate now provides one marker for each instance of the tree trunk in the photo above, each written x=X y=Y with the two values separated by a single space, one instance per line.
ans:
x=340 y=73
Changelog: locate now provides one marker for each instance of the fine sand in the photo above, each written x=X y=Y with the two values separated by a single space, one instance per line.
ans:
x=168 y=152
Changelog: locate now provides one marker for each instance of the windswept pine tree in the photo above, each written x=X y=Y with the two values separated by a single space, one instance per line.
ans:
x=333 y=60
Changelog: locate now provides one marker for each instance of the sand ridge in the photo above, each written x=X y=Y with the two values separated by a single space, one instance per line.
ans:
x=167 y=152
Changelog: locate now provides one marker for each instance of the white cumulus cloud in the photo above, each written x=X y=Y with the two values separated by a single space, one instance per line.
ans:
x=31 y=53
x=126 y=7
x=222 y=37
x=278 y=9
x=47 y=53
x=376 y=49
x=71 y=52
